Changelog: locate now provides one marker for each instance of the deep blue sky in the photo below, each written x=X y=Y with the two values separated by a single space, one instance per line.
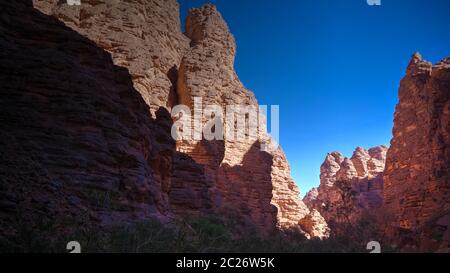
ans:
x=333 y=66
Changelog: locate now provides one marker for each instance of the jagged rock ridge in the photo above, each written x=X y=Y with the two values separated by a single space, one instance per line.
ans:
x=349 y=187
x=244 y=177
x=404 y=191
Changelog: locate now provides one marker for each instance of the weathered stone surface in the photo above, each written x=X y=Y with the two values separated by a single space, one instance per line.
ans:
x=143 y=35
x=85 y=129
x=84 y=109
x=311 y=196
x=315 y=225
x=417 y=175
x=77 y=139
x=255 y=183
x=349 y=187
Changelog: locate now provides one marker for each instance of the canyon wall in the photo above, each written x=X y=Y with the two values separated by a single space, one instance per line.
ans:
x=86 y=131
x=255 y=182
x=417 y=175
x=86 y=123
x=77 y=140
x=143 y=36
x=403 y=192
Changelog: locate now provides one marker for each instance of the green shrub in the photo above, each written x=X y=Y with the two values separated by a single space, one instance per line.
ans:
x=206 y=234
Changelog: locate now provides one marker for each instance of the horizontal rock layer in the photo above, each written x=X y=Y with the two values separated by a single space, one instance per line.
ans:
x=77 y=139
x=417 y=175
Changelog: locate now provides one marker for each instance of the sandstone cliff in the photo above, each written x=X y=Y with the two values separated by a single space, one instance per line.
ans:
x=143 y=36
x=85 y=131
x=254 y=182
x=409 y=195
x=349 y=187
x=77 y=139
x=417 y=175
x=86 y=127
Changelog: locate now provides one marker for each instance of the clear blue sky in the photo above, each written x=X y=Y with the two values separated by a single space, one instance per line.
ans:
x=333 y=66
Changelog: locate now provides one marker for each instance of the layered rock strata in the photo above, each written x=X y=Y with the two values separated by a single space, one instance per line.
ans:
x=349 y=187
x=143 y=35
x=417 y=175
x=77 y=139
x=255 y=182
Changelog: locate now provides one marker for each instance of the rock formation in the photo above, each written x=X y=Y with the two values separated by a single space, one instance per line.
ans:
x=143 y=36
x=255 y=182
x=315 y=225
x=86 y=127
x=417 y=175
x=85 y=131
x=408 y=194
x=349 y=187
x=77 y=139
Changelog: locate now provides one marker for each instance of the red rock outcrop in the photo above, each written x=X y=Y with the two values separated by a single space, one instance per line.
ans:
x=417 y=175
x=85 y=110
x=349 y=187
x=77 y=139
x=256 y=183
x=315 y=225
x=143 y=36
x=85 y=130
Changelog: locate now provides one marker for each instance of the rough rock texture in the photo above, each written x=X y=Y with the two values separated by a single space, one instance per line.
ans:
x=349 y=187
x=409 y=195
x=417 y=175
x=142 y=35
x=315 y=225
x=77 y=139
x=311 y=196
x=85 y=126
x=256 y=183
x=145 y=38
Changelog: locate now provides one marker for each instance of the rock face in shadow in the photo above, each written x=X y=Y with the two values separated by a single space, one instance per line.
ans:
x=417 y=175
x=85 y=131
x=85 y=134
x=143 y=36
x=349 y=187
x=77 y=139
